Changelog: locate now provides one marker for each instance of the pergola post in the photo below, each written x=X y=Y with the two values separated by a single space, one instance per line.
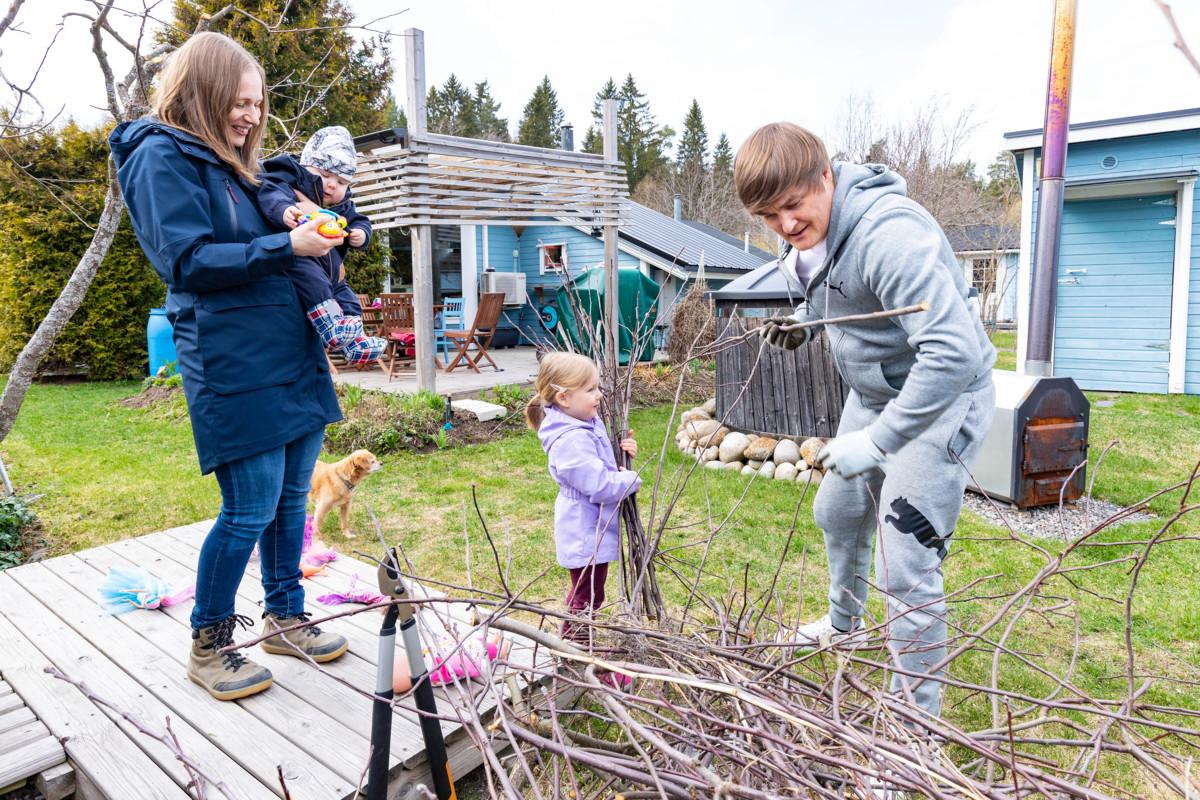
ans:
x=611 y=305
x=422 y=235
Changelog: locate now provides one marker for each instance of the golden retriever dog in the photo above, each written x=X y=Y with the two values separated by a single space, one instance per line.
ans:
x=333 y=486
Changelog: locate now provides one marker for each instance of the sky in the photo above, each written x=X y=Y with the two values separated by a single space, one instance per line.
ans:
x=747 y=62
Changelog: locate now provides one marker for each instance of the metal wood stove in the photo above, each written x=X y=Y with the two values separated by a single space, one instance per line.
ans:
x=1038 y=438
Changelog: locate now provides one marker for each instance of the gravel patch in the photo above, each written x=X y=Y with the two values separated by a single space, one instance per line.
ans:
x=1045 y=522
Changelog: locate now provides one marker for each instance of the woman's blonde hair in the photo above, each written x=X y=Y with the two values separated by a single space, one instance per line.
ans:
x=557 y=372
x=775 y=159
x=197 y=89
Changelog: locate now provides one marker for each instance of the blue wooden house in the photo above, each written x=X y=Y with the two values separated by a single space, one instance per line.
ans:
x=671 y=251
x=1127 y=316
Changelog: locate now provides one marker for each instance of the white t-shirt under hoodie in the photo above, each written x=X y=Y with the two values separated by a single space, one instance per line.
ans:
x=807 y=262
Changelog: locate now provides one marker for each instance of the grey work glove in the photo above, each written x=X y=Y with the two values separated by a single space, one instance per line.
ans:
x=851 y=454
x=772 y=330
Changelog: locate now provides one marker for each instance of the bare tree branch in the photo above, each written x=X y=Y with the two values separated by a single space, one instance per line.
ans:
x=1180 y=43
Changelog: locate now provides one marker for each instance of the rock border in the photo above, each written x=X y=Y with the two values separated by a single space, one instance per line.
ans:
x=718 y=447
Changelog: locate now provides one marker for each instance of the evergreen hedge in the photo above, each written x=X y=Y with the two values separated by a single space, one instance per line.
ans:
x=60 y=182
x=54 y=181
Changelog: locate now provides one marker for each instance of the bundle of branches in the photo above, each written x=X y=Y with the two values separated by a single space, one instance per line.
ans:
x=639 y=584
x=693 y=323
x=721 y=708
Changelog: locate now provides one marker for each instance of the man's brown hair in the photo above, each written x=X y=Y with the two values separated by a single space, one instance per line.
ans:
x=197 y=90
x=777 y=157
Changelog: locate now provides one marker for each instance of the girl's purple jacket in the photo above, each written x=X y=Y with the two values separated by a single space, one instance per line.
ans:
x=590 y=489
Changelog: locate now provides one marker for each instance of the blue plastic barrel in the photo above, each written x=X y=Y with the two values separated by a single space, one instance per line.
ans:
x=160 y=341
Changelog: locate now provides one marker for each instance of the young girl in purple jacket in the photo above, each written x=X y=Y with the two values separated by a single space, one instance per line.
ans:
x=591 y=486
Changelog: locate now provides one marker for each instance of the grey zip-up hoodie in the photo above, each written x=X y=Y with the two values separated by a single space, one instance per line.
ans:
x=885 y=251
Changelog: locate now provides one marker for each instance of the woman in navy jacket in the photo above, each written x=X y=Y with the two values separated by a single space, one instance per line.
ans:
x=254 y=373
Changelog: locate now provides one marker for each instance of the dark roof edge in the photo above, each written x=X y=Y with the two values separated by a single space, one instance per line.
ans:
x=1101 y=123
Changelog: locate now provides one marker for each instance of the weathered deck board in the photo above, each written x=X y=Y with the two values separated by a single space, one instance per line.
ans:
x=238 y=728
x=336 y=578
x=314 y=723
x=26 y=744
x=344 y=704
x=105 y=756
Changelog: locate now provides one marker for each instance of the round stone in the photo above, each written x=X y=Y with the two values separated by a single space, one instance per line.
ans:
x=786 y=452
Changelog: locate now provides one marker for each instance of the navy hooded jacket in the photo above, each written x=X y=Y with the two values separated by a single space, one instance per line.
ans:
x=281 y=176
x=254 y=371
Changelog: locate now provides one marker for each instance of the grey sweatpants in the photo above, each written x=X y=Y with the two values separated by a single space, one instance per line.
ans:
x=919 y=494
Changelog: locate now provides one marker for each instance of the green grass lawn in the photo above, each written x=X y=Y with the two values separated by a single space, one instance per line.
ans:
x=1006 y=349
x=107 y=472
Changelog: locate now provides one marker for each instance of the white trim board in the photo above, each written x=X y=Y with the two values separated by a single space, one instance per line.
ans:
x=1133 y=188
x=1022 y=140
x=1180 y=286
x=1024 y=278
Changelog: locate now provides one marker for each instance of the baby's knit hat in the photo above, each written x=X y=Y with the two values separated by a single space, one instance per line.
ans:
x=331 y=149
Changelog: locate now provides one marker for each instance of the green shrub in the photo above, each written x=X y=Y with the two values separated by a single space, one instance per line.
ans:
x=15 y=517
x=512 y=397
x=44 y=236
x=388 y=423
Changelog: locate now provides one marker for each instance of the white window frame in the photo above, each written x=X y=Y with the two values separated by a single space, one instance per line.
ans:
x=542 y=268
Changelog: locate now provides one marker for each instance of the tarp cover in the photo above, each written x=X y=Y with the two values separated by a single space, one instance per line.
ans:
x=637 y=295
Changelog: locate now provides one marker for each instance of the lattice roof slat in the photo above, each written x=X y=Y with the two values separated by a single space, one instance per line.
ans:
x=437 y=180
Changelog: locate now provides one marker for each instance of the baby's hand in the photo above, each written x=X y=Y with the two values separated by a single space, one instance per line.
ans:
x=291 y=216
x=629 y=446
x=357 y=237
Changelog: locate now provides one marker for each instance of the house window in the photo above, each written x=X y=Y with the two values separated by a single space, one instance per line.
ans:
x=983 y=274
x=554 y=258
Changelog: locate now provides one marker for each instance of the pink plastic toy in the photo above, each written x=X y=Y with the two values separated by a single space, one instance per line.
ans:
x=461 y=663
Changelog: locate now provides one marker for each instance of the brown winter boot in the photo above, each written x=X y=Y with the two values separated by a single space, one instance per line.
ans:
x=226 y=676
x=311 y=641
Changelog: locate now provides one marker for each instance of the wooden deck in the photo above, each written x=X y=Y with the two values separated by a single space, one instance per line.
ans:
x=27 y=747
x=308 y=724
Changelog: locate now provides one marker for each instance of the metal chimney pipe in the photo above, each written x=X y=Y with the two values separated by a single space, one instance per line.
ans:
x=678 y=207
x=746 y=242
x=1040 y=347
x=566 y=137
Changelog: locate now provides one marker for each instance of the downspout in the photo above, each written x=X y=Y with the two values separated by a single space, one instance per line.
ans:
x=1044 y=283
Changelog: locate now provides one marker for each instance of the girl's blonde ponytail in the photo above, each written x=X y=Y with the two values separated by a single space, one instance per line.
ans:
x=535 y=412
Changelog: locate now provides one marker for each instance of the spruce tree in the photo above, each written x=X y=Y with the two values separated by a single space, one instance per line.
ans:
x=723 y=156
x=641 y=143
x=393 y=113
x=593 y=141
x=451 y=110
x=693 y=142
x=542 y=117
x=488 y=122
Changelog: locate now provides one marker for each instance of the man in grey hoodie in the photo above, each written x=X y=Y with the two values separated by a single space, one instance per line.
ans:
x=921 y=396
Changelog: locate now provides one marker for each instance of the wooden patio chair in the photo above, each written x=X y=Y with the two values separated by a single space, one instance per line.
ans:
x=396 y=318
x=371 y=317
x=479 y=335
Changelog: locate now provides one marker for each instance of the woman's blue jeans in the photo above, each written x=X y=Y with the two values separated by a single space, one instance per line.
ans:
x=263 y=501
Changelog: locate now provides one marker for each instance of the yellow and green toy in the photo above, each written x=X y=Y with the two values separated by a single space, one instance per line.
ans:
x=332 y=228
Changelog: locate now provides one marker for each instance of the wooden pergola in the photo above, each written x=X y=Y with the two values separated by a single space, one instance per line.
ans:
x=415 y=179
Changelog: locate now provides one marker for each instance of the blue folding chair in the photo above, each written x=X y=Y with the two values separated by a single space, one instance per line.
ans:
x=450 y=319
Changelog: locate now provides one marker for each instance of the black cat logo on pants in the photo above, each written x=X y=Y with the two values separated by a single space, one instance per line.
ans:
x=911 y=521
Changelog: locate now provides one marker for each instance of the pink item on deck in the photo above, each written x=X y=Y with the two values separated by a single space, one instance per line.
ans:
x=351 y=595
x=314 y=553
x=126 y=589
x=466 y=662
